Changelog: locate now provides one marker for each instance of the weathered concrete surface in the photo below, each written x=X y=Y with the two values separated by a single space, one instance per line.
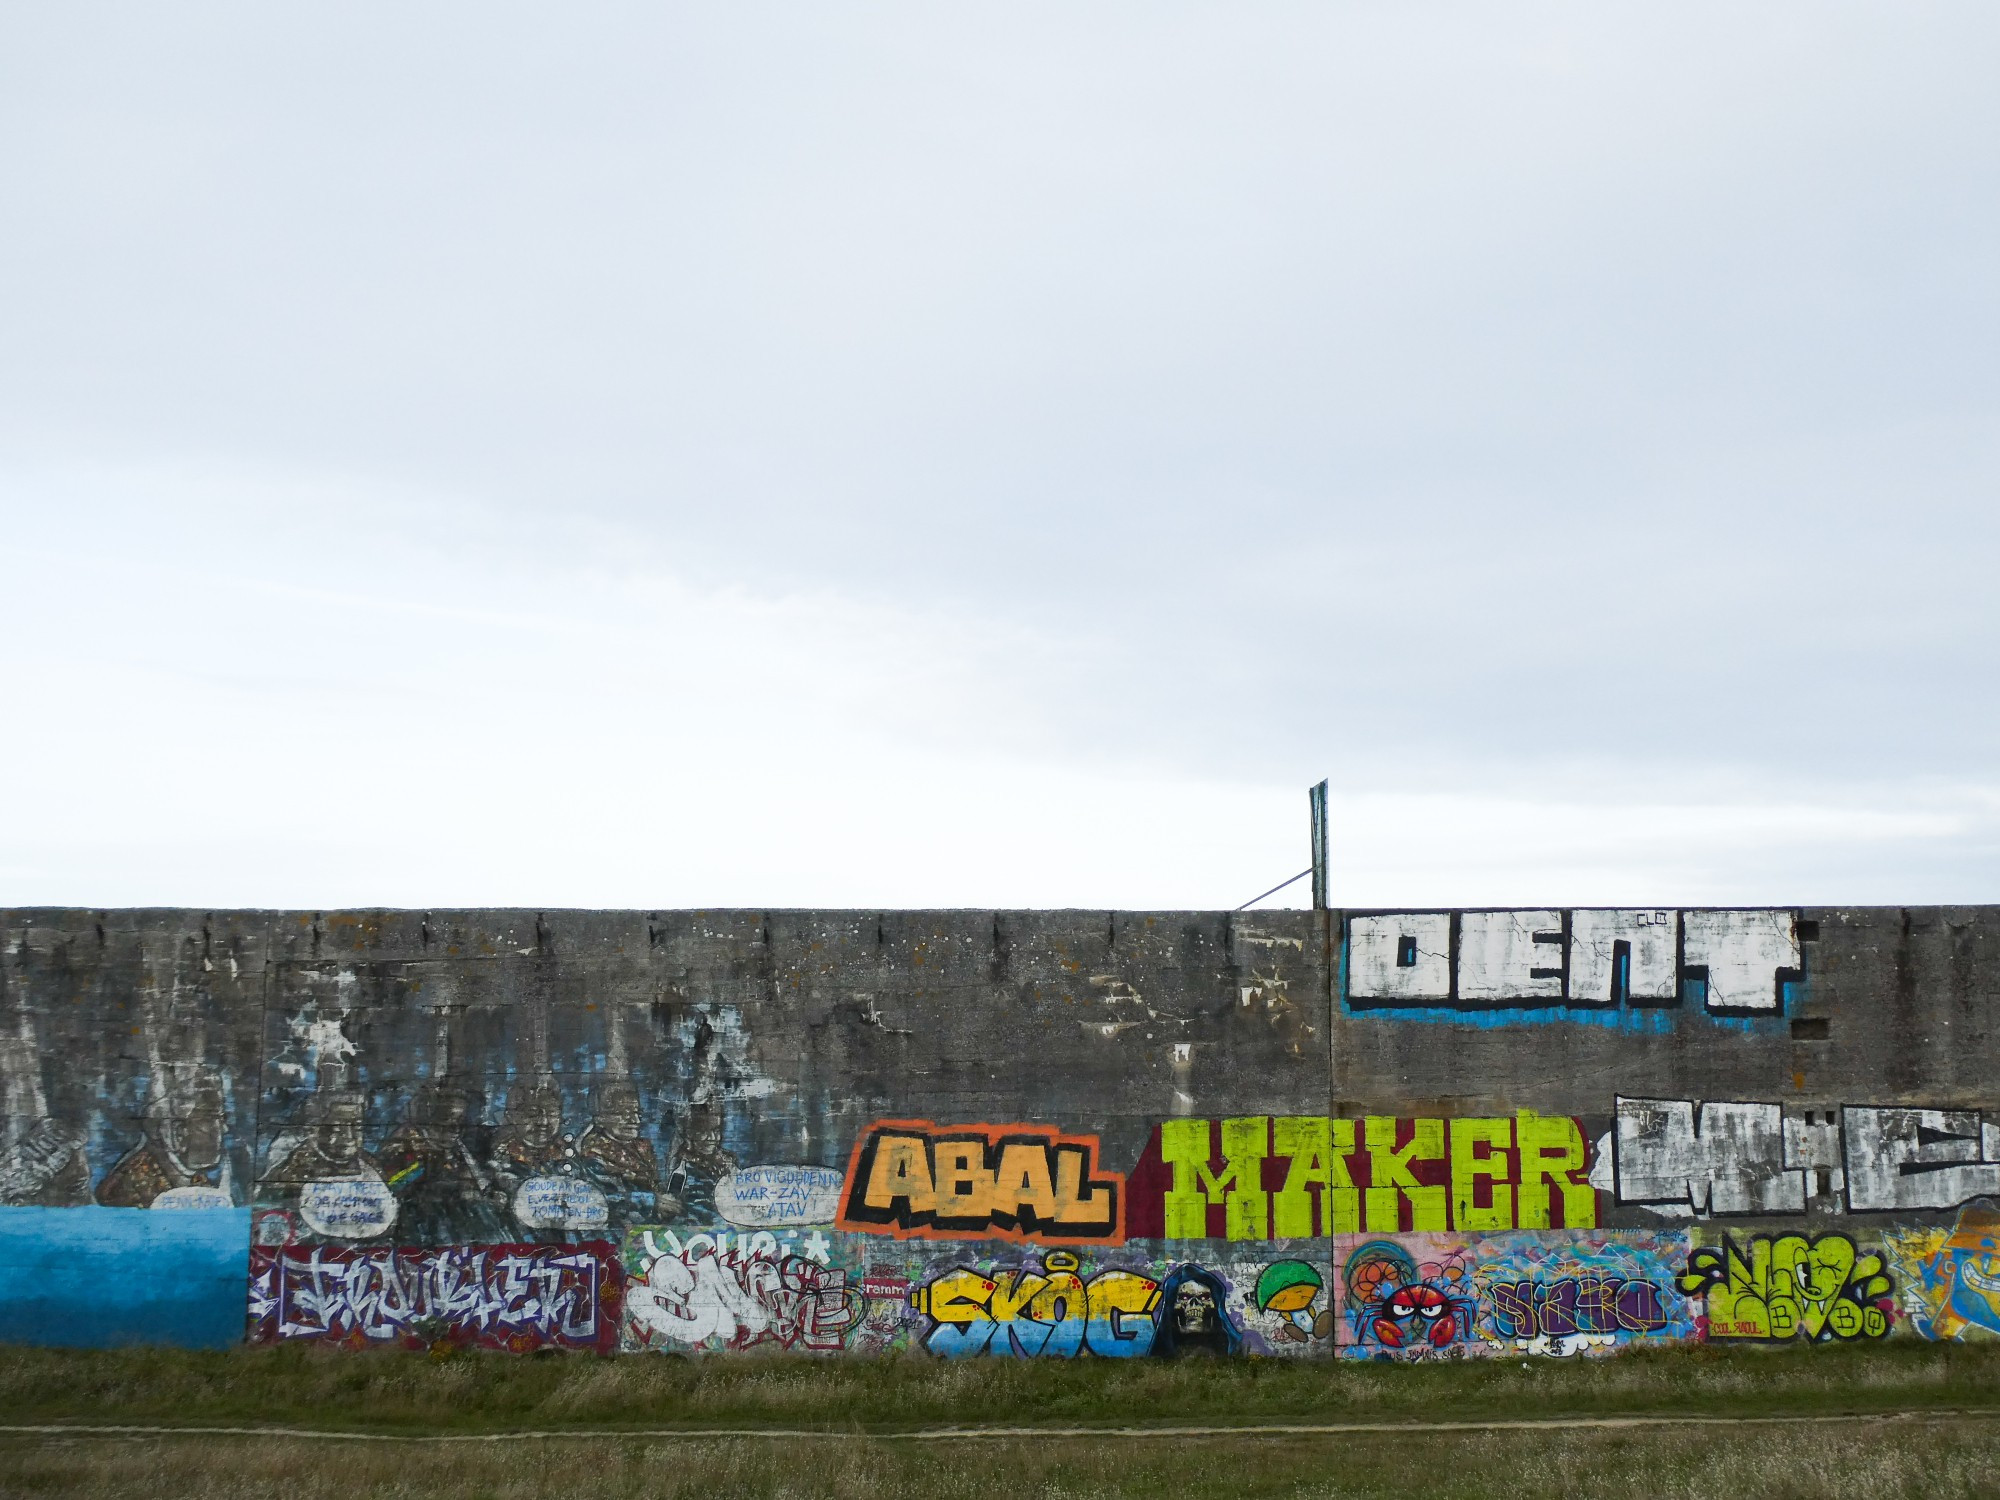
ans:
x=1909 y=998
x=822 y=1021
x=815 y=1023
x=1113 y=1133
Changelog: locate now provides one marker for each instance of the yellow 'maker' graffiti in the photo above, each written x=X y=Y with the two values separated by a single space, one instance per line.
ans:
x=1378 y=1174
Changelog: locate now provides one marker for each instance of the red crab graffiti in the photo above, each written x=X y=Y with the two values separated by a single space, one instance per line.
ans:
x=1416 y=1314
x=1406 y=1308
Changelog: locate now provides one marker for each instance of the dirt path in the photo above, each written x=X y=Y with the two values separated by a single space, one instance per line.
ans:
x=960 y=1434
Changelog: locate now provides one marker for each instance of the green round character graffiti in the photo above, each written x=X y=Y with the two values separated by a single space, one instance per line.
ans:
x=1289 y=1288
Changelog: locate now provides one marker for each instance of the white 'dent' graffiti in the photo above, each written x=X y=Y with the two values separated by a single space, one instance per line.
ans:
x=1583 y=957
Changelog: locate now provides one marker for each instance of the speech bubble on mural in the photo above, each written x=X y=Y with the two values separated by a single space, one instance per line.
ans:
x=766 y=1196
x=193 y=1197
x=347 y=1209
x=561 y=1203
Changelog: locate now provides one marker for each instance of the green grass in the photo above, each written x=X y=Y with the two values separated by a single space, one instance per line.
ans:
x=471 y=1392
x=860 y=1402
x=1934 y=1460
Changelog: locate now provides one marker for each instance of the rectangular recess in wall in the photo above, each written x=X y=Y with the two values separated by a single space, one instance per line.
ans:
x=1811 y=1029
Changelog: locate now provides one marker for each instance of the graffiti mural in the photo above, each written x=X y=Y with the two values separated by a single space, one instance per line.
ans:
x=1292 y=1289
x=431 y=1125
x=511 y=1109
x=1012 y=1300
x=1690 y=1158
x=1548 y=1293
x=1044 y=1309
x=140 y=1115
x=720 y=1289
x=125 y=1131
x=1738 y=963
x=178 y=1160
x=1574 y=1294
x=1791 y=1286
x=1406 y=1298
x=1263 y=1177
x=910 y=1178
x=516 y=1297
x=1951 y=1277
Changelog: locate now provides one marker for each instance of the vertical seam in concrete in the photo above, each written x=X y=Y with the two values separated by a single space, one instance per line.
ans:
x=1328 y=959
x=257 y=1110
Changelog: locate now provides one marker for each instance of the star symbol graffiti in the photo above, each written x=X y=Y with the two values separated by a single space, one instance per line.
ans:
x=818 y=1247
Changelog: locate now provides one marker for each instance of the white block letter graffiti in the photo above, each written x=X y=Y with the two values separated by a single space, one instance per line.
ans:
x=1509 y=956
x=1918 y=1158
x=1652 y=976
x=1681 y=1157
x=1744 y=953
x=1404 y=959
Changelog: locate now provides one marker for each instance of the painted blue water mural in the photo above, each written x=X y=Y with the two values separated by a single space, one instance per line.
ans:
x=98 y=1277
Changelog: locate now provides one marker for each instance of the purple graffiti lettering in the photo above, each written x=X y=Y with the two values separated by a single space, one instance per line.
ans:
x=1639 y=1307
x=511 y=1296
x=1514 y=1309
x=1575 y=1304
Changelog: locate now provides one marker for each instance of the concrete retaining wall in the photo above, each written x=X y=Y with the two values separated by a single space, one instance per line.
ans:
x=1402 y=1134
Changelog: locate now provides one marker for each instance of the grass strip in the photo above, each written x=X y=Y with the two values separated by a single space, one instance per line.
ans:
x=388 y=1391
x=1941 y=1459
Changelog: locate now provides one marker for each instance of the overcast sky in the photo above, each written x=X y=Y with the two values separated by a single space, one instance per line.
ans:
x=935 y=456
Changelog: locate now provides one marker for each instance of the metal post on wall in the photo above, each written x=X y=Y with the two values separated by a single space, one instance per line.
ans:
x=1318 y=796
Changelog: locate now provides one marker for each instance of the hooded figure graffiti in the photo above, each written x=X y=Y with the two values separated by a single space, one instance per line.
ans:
x=1193 y=1315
